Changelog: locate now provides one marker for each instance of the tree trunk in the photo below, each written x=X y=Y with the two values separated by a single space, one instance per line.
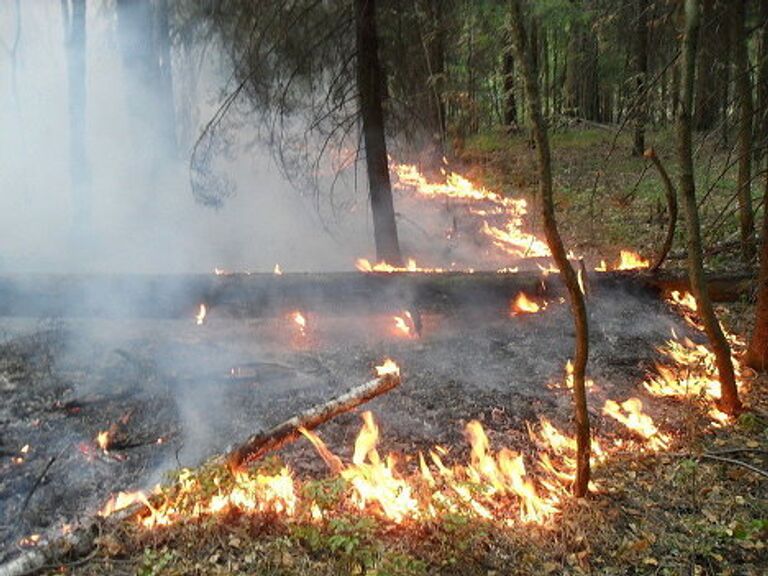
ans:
x=705 y=110
x=369 y=86
x=641 y=73
x=74 y=26
x=510 y=102
x=729 y=400
x=744 y=102
x=578 y=307
x=761 y=123
x=145 y=49
x=436 y=54
x=582 y=95
x=757 y=354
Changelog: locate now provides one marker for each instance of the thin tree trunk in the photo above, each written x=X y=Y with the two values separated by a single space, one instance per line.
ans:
x=369 y=85
x=705 y=109
x=757 y=353
x=510 y=102
x=671 y=195
x=761 y=124
x=744 y=102
x=729 y=400
x=74 y=26
x=641 y=72
x=555 y=243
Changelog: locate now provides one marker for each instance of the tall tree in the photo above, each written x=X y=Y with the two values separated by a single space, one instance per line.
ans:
x=73 y=12
x=582 y=93
x=369 y=85
x=729 y=398
x=145 y=48
x=741 y=76
x=555 y=243
x=757 y=353
x=641 y=73
x=510 y=101
x=706 y=101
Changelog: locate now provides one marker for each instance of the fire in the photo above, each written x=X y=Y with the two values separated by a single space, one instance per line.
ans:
x=404 y=325
x=692 y=373
x=31 y=540
x=684 y=300
x=523 y=305
x=388 y=367
x=201 y=314
x=103 y=440
x=630 y=413
x=300 y=321
x=504 y=231
x=628 y=260
x=632 y=261
x=277 y=271
x=123 y=500
x=364 y=265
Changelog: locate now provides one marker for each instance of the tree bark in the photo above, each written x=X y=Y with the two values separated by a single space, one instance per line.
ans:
x=555 y=243
x=706 y=101
x=641 y=73
x=729 y=400
x=74 y=26
x=369 y=85
x=745 y=110
x=288 y=431
x=757 y=353
x=671 y=195
x=510 y=102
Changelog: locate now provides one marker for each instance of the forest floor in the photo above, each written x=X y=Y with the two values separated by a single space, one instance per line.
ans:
x=677 y=510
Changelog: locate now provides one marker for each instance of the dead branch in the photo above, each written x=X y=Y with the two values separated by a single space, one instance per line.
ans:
x=671 y=195
x=736 y=462
x=288 y=431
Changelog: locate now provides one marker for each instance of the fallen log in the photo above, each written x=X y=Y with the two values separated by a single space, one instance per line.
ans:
x=289 y=430
x=340 y=293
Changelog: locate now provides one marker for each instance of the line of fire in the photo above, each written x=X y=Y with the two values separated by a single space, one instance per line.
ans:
x=306 y=288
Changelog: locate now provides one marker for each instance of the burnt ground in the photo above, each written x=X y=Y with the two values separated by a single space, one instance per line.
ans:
x=200 y=388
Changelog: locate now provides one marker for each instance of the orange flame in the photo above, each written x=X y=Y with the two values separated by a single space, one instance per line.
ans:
x=684 y=300
x=103 y=440
x=388 y=367
x=630 y=414
x=504 y=235
x=404 y=325
x=523 y=305
x=300 y=321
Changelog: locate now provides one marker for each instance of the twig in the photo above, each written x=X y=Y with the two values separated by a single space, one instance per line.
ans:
x=38 y=480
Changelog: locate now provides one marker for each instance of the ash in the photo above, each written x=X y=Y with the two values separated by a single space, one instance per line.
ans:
x=172 y=393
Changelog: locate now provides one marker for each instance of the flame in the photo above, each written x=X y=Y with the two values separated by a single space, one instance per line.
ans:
x=504 y=232
x=630 y=413
x=121 y=501
x=300 y=321
x=404 y=325
x=523 y=305
x=31 y=540
x=691 y=373
x=25 y=449
x=388 y=368
x=201 y=314
x=364 y=265
x=684 y=300
x=628 y=260
x=103 y=440
x=277 y=271
x=632 y=261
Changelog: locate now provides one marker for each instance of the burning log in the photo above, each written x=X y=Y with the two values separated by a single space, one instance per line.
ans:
x=288 y=431
x=265 y=295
